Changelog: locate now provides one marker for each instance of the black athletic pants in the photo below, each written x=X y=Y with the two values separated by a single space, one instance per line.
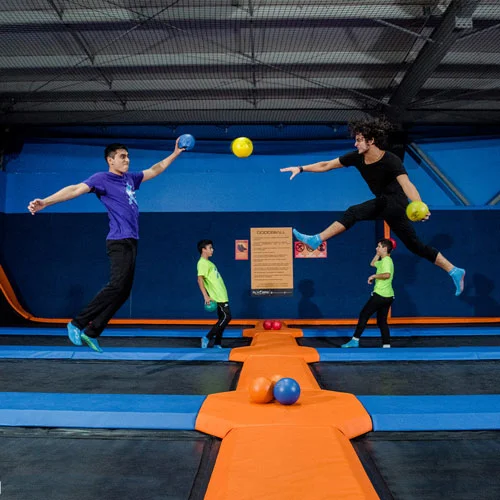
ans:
x=224 y=314
x=94 y=318
x=380 y=305
x=392 y=209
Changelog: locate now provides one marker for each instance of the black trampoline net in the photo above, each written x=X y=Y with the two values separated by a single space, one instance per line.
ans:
x=248 y=61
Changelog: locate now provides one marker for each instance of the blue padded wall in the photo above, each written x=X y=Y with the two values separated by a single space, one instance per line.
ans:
x=469 y=239
x=429 y=190
x=68 y=264
x=472 y=165
x=202 y=181
x=58 y=261
x=3 y=190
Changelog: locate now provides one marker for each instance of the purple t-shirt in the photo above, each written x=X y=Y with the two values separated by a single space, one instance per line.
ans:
x=117 y=193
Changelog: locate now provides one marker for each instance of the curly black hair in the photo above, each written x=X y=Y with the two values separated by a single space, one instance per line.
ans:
x=376 y=129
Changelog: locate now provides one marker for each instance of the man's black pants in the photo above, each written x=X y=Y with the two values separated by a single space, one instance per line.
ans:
x=392 y=209
x=94 y=318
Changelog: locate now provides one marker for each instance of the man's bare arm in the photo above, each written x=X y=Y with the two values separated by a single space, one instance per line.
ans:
x=64 y=194
x=319 y=167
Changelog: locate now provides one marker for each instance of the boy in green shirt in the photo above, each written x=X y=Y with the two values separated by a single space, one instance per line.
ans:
x=382 y=295
x=213 y=289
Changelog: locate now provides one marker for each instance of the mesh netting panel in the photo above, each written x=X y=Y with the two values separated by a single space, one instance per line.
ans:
x=248 y=61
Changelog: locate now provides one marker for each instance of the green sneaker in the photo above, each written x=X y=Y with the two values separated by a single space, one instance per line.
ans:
x=91 y=342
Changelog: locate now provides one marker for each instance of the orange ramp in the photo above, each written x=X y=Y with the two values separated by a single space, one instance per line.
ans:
x=259 y=328
x=222 y=412
x=269 y=365
x=273 y=451
x=292 y=463
x=282 y=343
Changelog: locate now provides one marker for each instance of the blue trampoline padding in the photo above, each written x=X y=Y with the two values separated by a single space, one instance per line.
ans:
x=433 y=413
x=230 y=333
x=409 y=354
x=451 y=331
x=113 y=411
x=115 y=353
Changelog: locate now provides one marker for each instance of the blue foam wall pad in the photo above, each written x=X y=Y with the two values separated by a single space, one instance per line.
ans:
x=408 y=354
x=113 y=411
x=115 y=353
x=396 y=331
x=124 y=332
x=433 y=413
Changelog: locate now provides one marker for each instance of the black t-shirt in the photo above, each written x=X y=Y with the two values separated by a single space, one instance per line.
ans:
x=381 y=175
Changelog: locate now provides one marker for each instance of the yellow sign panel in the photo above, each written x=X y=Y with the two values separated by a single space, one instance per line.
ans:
x=271 y=261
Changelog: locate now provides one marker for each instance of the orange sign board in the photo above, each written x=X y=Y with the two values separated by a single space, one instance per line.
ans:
x=241 y=249
x=272 y=261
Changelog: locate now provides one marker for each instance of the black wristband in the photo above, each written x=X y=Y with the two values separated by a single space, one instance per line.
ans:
x=301 y=169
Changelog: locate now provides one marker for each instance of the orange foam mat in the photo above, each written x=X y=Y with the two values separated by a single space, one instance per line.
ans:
x=267 y=338
x=288 y=463
x=270 y=365
x=270 y=343
x=251 y=332
x=222 y=412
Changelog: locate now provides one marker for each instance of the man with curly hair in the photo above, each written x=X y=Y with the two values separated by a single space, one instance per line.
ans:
x=388 y=180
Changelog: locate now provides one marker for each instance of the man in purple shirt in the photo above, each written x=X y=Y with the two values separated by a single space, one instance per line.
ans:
x=116 y=190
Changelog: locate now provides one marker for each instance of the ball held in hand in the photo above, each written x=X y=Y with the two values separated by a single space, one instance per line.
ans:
x=211 y=307
x=186 y=141
x=417 y=211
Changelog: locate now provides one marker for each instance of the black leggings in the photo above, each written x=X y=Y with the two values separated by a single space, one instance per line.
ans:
x=380 y=305
x=392 y=209
x=95 y=317
x=224 y=314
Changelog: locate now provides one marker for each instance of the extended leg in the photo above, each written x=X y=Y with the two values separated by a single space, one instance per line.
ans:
x=368 y=210
x=405 y=231
x=122 y=255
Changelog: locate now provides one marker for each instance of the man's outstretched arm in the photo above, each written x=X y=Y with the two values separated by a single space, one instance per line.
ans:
x=161 y=166
x=319 y=167
x=64 y=194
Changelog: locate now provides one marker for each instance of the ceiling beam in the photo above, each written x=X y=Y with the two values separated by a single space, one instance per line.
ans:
x=403 y=24
x=235 y=114
x=83 y=46
x=452 y=26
